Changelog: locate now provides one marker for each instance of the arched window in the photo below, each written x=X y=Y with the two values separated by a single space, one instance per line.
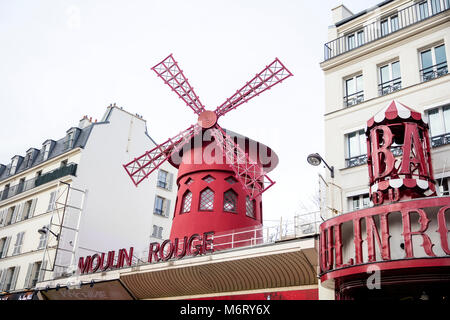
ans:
x=230 y=201
x=207 y=200
x=249 y=207
x=187 y=201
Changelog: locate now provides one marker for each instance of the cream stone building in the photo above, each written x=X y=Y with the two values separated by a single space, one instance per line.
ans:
x=72 y=197
x=397 y=50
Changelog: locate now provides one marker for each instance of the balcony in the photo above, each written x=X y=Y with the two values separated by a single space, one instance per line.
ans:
x=440 y=140
x=354 y=99
x=406 y=17
x=362 y=159
x=389 y=87
x=434 y=72
x=26 y=185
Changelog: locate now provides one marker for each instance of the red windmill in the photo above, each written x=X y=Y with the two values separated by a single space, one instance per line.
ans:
x=198 y=183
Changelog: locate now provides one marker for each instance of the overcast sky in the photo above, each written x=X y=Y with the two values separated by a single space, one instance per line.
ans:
x=60 y=60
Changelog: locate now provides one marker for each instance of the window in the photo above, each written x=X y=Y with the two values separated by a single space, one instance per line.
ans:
x=435 y=6
x=159 y=205
x=433 y=63
x=157 y=231
x=187 y=202
x=353 y=91
x=356 y=149
x=46 y=151
x=394 y=23
x=162 y=179
x=10 y=215
x=33 y=274
x=230 y=201
x=359 y=202
x=18 y=244
x=3 y=247
x=439 y=122
x=384 y=27
x=9 y=280
x=422 y=10
x=249 y=207
x=444 y=186
x=208 y=179
x=189 y=181
x=355 y=39
x=390 y=78
x=70 y=139
x=231 y=180
x=14 y=163
x=207 y=200
x=5 y=192
x=29 y=159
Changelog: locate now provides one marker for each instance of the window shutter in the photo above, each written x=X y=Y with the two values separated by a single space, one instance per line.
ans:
x=170 y=182
x=14 y=216
x=51 y=203
x=3 y=217
x=32 y=208
x=20 y=212
x=154 y=205
x=167 y=207
x=6 y=247
x=42 y=271
x=14 y=278
x=3 y=278
x=27 y=283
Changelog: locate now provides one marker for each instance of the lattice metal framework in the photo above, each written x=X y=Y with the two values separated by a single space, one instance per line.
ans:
x=249 y=207
x=252 y=176
x=208 y=179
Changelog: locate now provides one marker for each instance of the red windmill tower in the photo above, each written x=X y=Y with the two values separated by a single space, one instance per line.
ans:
x=209 y=197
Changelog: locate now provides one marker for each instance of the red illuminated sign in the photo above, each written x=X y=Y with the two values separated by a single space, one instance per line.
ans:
x=377 y=221
x=176 y=249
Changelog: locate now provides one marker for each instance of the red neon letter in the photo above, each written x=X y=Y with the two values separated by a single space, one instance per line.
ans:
x=407 y=233
x=442 y=229
x=85 y=266
x=382 y=157
x=207 y=242
x=153 y=252
x=418 y=159
x=383 y=242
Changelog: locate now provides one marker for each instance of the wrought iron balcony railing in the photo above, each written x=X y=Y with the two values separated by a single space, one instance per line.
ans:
x=26 y=185
x=354 y=99
x=362 y=159
x=406 y=17
x=389 y=87
x=434 y=72
x=440 y=140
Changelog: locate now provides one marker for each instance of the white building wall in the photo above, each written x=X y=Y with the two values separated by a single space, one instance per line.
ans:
x=117 y=214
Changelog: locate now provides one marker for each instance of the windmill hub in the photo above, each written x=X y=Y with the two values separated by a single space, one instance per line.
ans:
x=207 y=119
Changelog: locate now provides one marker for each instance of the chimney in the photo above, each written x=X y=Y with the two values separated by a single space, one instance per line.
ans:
x=340 y=13
x=84 y=122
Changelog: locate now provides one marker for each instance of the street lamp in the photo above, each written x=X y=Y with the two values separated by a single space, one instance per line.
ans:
x=315 y=159
x=45 y=230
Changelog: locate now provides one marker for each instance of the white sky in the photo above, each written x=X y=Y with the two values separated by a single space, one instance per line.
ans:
x=60 y=60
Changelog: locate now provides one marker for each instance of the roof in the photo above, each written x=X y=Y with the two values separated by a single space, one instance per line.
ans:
x=344 y=21
x=56 y=148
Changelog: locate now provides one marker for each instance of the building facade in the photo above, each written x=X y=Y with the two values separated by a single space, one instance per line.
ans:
x=71 y=197
x=397 y=50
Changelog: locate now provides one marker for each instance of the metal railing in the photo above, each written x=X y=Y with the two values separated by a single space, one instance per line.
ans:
x=405 y=17
x=389 y=87
x=301 y=226
x=354 y=99
x=440 y=140
x=362 y=159
x=434 y=72
x=29 y=184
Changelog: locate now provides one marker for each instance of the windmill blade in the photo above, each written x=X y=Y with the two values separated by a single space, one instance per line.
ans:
x=169 y=71
x=249 y=173
x=271 y=75
x=140 y=168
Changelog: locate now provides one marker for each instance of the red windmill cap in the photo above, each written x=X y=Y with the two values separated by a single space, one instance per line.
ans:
x=394 y=110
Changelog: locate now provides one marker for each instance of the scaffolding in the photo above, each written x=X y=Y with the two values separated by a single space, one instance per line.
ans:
x=62 y=232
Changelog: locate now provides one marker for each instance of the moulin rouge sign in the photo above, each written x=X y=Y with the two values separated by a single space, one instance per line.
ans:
x=176 y=249
x=401 y=178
